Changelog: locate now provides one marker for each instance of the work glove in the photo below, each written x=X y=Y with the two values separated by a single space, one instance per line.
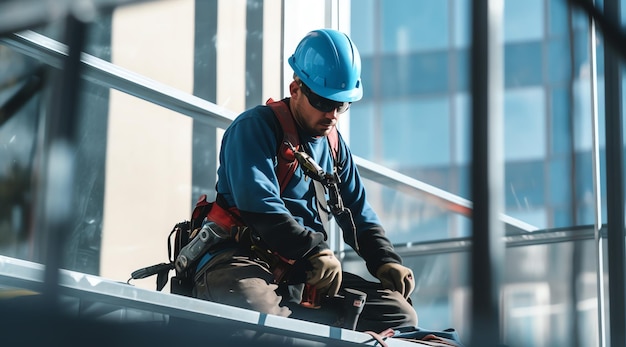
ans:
x=396 y=277
x=325 y=275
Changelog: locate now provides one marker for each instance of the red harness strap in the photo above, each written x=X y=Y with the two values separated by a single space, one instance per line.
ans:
x=287 y=163
x=226 y=219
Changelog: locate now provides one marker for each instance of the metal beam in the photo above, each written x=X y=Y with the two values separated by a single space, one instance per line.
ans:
x=56 y=182
x=464 y=244
x=89 y=288
x=487 y=170
x=110 y=75
x=615 y=183
x=597 y=190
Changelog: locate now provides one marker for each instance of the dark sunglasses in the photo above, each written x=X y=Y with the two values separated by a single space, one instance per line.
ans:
x=321 y=103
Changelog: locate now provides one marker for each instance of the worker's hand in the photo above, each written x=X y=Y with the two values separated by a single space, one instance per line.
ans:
x=396 y=277
x=325 y=275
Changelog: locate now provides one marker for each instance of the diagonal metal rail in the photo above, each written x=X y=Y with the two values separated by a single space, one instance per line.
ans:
x=112 y=76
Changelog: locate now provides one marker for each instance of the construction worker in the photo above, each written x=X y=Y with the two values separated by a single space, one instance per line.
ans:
x=283 y=248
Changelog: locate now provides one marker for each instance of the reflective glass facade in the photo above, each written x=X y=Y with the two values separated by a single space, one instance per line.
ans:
x=416 y=117
x=415 y=114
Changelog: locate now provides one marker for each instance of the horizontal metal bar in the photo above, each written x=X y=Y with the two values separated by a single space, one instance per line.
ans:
x=112 y=76
x=459 y=245
x=579 y=233
x=29 y=275
x=411 y=186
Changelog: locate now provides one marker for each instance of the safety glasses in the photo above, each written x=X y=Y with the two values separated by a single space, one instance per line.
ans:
x=321 y=103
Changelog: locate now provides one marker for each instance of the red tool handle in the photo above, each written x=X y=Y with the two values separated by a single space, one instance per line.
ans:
x=310 y=298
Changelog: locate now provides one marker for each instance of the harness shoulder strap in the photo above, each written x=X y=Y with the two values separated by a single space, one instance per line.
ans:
x=287 y=163
x=333 y=141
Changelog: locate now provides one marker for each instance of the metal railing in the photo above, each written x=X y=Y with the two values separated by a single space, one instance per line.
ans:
x=109 y=75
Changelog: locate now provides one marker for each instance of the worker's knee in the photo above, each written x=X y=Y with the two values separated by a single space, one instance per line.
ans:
x=240 y=282
x=387 y=309
x=261 y=296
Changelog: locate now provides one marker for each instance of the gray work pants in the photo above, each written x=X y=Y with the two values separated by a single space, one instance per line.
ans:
x=237 y=277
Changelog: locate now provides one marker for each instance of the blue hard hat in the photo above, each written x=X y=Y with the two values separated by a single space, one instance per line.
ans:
x=328 y=62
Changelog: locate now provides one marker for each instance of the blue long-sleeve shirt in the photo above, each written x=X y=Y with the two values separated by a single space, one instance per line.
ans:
x=289 y=223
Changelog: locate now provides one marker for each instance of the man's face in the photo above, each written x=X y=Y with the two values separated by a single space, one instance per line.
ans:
x=313 y=120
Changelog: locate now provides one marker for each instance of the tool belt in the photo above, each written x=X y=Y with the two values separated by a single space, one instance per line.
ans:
x=229 y=219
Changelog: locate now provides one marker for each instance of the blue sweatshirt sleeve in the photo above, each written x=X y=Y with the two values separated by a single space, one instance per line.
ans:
x=370 y=240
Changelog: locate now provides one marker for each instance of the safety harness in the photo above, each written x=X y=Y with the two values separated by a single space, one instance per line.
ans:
x=290 y=156
x=227 y=219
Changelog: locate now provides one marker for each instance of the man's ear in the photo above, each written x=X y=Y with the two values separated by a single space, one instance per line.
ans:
x=293 y=89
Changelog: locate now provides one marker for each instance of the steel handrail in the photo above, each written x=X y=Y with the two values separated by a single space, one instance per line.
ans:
x=113 y=76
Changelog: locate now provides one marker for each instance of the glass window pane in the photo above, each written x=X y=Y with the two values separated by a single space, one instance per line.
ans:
x=560 y=187
x=462 y=129
x=559 y=62
x=582 y=113
x=462 y=23
x=416 y=132
x=523 y=64
x=362 y=16
x=363 y=123
x=408 y=219
x=557 y=17
x=561 y=139
x=525 y=128
x=369 y=75
x=525 y=191
x=405 y=75
x=462 y=76
x=523 y=20
x=584 y=202
x=410 y=25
